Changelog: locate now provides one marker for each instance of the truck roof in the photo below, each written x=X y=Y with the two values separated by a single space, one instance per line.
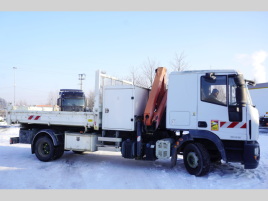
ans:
x=223 y=71
x=71 y=90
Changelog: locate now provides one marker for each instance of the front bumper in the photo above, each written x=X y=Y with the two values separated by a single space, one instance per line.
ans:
x=251 y=155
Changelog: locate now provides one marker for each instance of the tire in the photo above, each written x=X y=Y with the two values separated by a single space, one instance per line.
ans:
x=196 y=159
x=44 y=149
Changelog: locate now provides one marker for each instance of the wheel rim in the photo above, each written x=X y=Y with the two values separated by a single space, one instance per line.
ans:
x=45 y=149
x=192 y=159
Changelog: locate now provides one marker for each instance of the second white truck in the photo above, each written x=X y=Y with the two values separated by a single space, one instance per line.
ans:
x=259 y=95
x=181 y=118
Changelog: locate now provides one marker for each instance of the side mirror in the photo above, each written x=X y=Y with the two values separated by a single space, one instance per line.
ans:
x=211 y=76
x=250 y=82
x=59 y=101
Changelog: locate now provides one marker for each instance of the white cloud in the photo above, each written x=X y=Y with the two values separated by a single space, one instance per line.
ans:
x=254 y=65
x=258 y=59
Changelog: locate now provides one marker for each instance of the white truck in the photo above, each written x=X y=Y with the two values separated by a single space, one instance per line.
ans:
x=157 y=123
x=259 y=95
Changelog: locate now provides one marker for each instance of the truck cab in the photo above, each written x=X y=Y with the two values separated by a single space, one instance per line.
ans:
x=230 y=123
x=71 y=100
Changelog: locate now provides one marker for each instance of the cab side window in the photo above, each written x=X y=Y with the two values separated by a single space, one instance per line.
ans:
x=213 y=89
x=232 y=91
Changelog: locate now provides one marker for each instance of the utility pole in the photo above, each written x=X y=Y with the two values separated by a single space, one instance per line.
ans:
x=81 y=78
x=14 y=68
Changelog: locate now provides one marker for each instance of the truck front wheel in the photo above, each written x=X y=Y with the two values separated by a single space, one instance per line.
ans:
x=44 y=149
x=196 y=159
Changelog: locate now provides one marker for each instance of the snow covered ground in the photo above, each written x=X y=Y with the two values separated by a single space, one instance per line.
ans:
x=19 y=169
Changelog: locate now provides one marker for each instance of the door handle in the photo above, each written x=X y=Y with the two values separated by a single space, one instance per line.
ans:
x=202 y=124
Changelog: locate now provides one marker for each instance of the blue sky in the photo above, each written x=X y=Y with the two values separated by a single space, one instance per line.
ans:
x=50 y=49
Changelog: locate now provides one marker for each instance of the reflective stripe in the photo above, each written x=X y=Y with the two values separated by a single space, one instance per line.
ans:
x=232 y=125
x=32 y=117
x=224 y=124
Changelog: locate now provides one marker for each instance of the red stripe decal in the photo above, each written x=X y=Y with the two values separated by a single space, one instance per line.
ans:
x=244 y=126
x=30 y=117
x=232 y=125
x=37 y=117
x=222 y=123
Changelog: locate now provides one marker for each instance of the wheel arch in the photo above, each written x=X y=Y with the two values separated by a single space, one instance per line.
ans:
x=207 y=138
x=45 y=132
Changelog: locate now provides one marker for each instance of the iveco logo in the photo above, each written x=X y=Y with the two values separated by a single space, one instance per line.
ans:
x=77 y=138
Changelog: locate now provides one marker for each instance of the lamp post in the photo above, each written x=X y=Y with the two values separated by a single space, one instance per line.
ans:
x=81 y=77
x=14 y=68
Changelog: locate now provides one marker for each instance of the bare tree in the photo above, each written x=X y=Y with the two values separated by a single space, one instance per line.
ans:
x=135 y=76
x=90 y=100
x=148 y=70
x=3 y=103
x=179 y=63
x=52 y=98
x=132 y=76
x=21 y=103
x=144 y=76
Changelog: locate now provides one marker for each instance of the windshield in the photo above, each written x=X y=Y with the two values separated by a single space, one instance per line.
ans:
x=73 y=102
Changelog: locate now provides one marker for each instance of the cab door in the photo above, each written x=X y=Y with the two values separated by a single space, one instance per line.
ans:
x=220 y=118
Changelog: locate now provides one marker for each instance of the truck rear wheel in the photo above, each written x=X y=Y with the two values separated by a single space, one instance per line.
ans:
x=196 y=159
x=44 y=149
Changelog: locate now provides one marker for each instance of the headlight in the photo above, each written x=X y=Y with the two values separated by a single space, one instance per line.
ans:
x=257 y=151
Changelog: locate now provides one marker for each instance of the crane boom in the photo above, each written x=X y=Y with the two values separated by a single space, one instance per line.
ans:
x=157 y=100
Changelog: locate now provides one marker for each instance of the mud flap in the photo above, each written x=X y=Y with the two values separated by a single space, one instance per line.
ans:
x=14 y=140
x=174 y=157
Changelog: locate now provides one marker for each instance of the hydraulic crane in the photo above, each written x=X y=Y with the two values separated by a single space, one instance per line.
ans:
x=156 y=104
